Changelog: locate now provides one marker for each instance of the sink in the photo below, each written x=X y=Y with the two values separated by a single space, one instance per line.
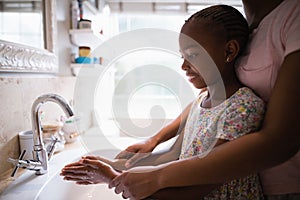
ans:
x=29 y=186
x=51 y=185
x=62 y=190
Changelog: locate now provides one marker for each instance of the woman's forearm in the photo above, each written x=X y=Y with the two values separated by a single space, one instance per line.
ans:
x=249 y=154
x=186 y=193
x=276 y=142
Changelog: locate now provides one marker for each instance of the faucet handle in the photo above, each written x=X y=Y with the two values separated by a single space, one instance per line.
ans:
x=16 y=163
x=51 y=147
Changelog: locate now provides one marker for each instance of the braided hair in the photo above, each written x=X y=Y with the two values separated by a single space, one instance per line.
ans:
x=230 y=20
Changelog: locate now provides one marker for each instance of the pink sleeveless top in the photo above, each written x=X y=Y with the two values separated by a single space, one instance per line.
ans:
x=277 y=35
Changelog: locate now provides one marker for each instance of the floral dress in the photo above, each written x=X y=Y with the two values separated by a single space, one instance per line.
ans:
x=238 y=115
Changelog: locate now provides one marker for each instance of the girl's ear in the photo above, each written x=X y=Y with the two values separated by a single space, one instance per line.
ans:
x=232 y=49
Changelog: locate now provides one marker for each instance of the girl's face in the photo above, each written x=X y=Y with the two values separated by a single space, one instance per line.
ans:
x=202 y=48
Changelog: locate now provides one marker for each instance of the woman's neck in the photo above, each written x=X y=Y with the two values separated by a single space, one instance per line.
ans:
x=256 y=10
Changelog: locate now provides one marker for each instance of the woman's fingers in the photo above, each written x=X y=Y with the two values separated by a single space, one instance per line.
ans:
x=115 y=182
x=119 y=187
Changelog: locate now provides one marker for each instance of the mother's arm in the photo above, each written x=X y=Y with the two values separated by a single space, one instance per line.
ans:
x=276 y=142
x=186 y=193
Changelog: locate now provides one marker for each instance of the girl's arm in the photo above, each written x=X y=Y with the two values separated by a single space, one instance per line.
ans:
x=137 y=152
x=276 y=142
x=163 y=156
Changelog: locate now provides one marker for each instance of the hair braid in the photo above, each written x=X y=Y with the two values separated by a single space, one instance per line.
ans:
x=233 y=22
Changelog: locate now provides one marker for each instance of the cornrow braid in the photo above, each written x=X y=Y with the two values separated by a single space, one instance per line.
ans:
x=233 y=22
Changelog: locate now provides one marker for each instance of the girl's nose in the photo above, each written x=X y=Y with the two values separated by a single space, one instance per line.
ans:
x=185 y=65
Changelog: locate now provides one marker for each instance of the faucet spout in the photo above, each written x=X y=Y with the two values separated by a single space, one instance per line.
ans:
x=40 y=153
x=35 y=115
x=39 y=163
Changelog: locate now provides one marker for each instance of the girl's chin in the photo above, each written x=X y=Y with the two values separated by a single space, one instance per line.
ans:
x=199 y=86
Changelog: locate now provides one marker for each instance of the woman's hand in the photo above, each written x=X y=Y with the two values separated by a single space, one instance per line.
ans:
x=135 y=185
x=89 y=170
x=137 y=152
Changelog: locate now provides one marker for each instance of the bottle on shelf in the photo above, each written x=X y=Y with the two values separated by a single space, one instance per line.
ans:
x=74 y=14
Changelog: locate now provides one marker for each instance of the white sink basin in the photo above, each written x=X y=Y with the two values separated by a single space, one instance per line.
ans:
x=59 y=189
x=52 y=186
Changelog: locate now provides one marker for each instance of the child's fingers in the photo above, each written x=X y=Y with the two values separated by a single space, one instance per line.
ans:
x=124 y=155
x=84 y=182
x=75 y=170
x=95 y=164
x=91 y=157
x=119 y=164
x=137 y=157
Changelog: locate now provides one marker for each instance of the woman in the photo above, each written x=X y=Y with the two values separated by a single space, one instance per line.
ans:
x=270 y=67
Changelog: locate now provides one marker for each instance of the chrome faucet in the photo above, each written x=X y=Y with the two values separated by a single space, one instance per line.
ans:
x=39 y=163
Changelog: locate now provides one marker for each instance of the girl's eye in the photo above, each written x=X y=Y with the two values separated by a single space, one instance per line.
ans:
x=192 y=55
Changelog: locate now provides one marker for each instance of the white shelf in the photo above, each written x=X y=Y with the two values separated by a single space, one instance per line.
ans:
x=76 y=65
x=86 y=37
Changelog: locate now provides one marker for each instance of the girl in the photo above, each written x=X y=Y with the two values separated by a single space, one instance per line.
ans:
x=213 y=118
x=223 y=32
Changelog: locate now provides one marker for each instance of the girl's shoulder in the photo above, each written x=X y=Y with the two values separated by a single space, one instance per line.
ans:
x=245 y=97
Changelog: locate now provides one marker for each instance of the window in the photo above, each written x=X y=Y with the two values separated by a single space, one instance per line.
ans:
x=133 y=97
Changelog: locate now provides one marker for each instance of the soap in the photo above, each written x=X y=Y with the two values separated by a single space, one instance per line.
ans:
x=84 y=51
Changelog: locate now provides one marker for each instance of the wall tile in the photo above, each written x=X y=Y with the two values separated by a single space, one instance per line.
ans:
x=16 y=96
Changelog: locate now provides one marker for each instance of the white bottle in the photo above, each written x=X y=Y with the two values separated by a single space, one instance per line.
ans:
x=26 y=143
x=74 y=14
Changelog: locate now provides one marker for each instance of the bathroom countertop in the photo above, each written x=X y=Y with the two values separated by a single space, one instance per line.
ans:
x=6 y=178
x=29 y=186
x=83 y=145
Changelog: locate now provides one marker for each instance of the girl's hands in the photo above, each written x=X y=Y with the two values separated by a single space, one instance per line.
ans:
x=89 y=170
x=137 y=152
